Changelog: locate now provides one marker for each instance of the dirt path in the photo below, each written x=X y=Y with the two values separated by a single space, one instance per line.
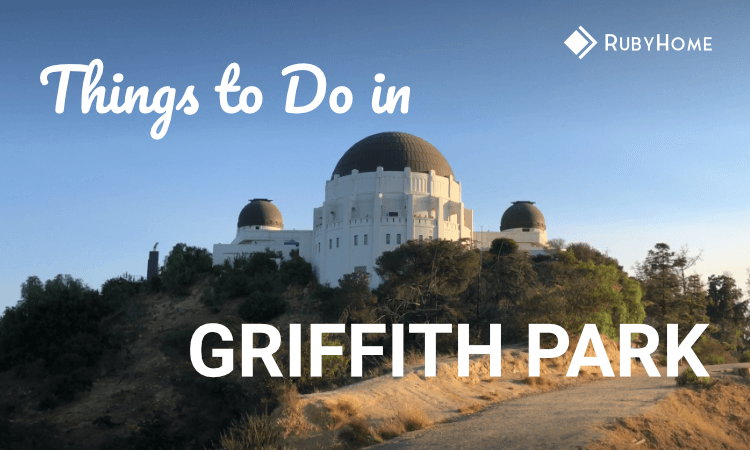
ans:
x=562 y=419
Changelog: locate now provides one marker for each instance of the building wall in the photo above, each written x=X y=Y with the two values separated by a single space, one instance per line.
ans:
x=250 y=241
x=378 y=205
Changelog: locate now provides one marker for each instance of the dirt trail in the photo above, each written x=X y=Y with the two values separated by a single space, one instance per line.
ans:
x=562 y=419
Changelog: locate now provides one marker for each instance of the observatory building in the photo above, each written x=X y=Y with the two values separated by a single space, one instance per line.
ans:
x=386 y=189
x=522 y=222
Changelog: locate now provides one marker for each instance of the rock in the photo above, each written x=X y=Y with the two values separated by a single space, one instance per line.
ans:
x=744 y=372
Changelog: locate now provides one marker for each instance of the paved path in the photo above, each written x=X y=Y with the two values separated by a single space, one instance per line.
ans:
x=556 y=420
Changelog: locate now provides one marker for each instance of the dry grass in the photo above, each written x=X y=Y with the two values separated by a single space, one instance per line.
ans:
x=251 y=432
x=342 y=411
x=687 y=419
x=471 y=409
x=413 y=419
x=390 y=429
x=413 y=357
x=539 y=382
x=358 y=433
x=491 y=396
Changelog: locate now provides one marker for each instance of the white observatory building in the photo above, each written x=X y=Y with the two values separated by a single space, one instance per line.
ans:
x=386 y=189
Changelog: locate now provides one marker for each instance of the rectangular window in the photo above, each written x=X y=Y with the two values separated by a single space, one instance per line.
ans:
x=387 y=238
x=330 y=243
x=318 y=247
x=420 y=238
x=393 y=214
x=355 y=239
x=337 y=242
x=365 y=241
x=398 y=238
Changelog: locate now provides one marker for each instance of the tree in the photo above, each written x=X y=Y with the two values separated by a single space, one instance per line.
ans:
x=424 y=280
x=662 y=287
x=671 y=295
x=577 y=293
x=48 y=316
x=183 y=267
x=506 y=282
x=586 y=252
x=556 y=244
x=351 y=301
x=726 y=308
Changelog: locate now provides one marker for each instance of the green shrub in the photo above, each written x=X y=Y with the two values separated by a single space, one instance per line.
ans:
x=241 y=277
x=745 y=357
x=184 y=266
x=116 y=291
x=689 y=378
x=296 y=271
x=710 y=351
x=261 y=307
x=503 y=246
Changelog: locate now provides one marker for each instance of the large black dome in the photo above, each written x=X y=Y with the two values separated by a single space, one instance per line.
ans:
x=522 y=214
x=260 y=212
x=393 y=152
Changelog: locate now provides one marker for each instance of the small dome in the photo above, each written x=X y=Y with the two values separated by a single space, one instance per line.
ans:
x=393 y=152
x=260 y=212
x=522 y=214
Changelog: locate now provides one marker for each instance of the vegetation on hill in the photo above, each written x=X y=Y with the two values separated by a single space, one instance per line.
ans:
x=66 y=347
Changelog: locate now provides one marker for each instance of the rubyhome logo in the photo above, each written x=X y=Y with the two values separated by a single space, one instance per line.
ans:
x=581 y=42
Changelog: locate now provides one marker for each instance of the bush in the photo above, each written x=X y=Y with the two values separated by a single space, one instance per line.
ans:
x=184 y=266
x=296 y=271
x=503 y=246
x=745 y=357
x=117 y=291
x=710 y=351
x=689 y=378
x=334 y=369
x=241 y=277
x=261 y=307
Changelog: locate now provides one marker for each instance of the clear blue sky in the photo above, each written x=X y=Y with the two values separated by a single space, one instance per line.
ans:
x=621 y=150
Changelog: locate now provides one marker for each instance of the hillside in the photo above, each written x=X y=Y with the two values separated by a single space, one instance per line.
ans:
x=146 y=394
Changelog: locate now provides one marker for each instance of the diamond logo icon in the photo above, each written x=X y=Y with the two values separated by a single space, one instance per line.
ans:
x=579 y=44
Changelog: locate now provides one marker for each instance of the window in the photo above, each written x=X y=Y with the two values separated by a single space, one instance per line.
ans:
x=527 y=229
x=330 y=243
x=355 y=239
x=337 y=242
x=387 y=238
x=257 y=228
x=318 y=247
x=420 y=238
x=365 y=241
x=393 y=214
x=398 y=238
